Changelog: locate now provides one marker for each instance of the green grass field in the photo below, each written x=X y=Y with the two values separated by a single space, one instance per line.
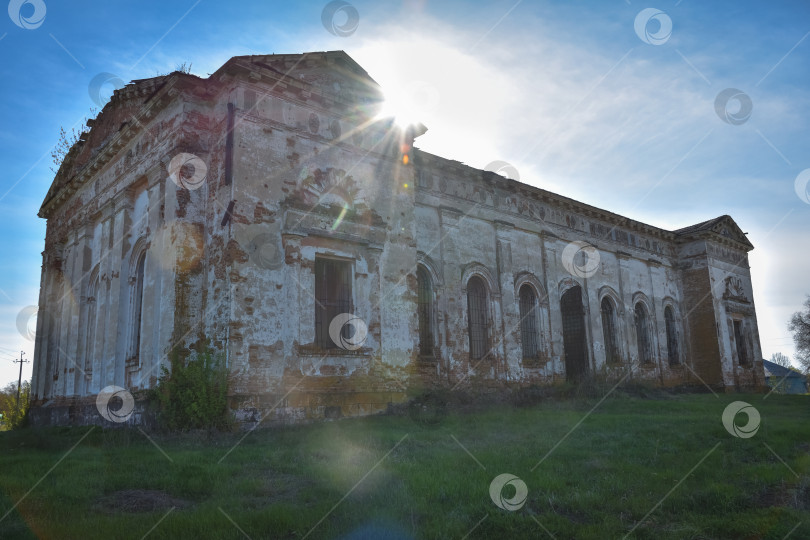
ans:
x=623 y=470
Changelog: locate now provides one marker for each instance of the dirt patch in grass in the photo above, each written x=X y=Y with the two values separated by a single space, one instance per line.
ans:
x=279 y=488
x=134 y=501
x=785 y=495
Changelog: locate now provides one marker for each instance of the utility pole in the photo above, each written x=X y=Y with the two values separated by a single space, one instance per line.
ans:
x=19 y=381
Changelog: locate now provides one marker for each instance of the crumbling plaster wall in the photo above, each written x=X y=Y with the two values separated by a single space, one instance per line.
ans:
x=468 y=221
x=710 y=309
x=729 y=269
x=128 y=205
x=303 y=190
x=307 y=175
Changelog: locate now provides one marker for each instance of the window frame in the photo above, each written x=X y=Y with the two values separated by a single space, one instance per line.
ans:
x=326 y=309
x=740 y=345
x=673 y=336
x=643 y=327
x=610 y=329
x=425 y=307
x=531 y=339
x=137 y=293
x=479 y=345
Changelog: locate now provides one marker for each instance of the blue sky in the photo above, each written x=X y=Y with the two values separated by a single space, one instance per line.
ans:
x=567 y=92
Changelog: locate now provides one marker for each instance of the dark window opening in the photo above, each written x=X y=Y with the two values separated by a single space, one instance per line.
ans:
x=609 y=331
x=529 y=335
x=137 y=308
x=333 y=296
x=643 y=334
x=424 y=302
x=672 y=336
x=574 y=334
x=478 y=314
x=739 y=340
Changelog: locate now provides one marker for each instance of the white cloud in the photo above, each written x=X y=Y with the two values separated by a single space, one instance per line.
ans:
x=638 y=136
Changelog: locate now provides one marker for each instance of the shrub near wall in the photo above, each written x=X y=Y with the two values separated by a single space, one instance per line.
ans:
x=193 y=394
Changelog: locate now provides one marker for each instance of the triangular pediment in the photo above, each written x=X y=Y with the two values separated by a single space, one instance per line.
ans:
x=723 y=226
x=728 y=228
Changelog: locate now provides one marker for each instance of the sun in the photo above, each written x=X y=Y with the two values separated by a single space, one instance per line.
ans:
x=401 y=106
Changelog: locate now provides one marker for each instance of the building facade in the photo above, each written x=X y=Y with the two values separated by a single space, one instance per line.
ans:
x=268 y=212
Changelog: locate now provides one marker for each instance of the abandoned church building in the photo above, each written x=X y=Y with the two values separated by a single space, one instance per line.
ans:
x=268 y=211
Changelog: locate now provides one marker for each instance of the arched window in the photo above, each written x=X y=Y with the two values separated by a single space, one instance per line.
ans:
x=478 y=315
x=672 y=336
x=643 y=334
x=609 y=332
x=92 y=319
x=529 y=334
x=424 y=307
x=137 y=308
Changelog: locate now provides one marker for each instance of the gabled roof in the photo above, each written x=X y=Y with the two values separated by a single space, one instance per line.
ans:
x=119 y=112
x=332 y=73
x=330 y=77
x=723 y=226
x=775 y=370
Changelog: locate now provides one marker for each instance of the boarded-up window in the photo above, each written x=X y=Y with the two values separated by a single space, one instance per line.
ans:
x=609 y=332
x=672 y=336
x=529 y=335
x=333 y=296
x=478 y=314
x=424 y=303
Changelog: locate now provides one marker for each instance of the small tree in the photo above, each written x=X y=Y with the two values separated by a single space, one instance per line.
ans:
x=781 y=359
x=800 y=326
x=66 y=141
x=12 y=416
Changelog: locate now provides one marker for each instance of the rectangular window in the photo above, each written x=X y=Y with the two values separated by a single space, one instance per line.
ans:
x=333 y=296
x=739 y=340
x=424 y=305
